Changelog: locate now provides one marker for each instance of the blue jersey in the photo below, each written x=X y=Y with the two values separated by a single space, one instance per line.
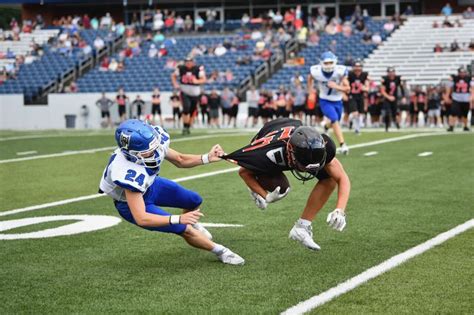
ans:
x=121 y=174
x=321 y=80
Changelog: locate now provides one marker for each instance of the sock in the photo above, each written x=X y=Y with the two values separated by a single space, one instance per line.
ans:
x=218 y=249
x=304 y=222
x=356 y=123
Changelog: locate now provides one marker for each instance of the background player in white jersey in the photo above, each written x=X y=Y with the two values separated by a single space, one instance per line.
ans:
x=331 y=81
x=131 y=179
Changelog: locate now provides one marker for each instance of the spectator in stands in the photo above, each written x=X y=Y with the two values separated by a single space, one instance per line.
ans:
x=245 y=19
x=98 y=43
x=199 y=23
x=122 y=99
x=296 y=79
x=468 y=14
x=148 y=18
x=214 y=102
x=313 y=39
x=104 y=103
x=360 y=26
x=333 y=46
x=179 y=24
x=95 y=23
x=152 y=52
x=376 y=38
x=220 y=50
x=71 y=88
x=349 y=61
x=435 y=24
x=389 y=26
x=120 y=66
x=137 y=106
x=471 y=45
x=277 y=19
x=229 y=75
x=113 y=65
x=104 y=65
x=86 y=22
x=447 y=10
x=455 y=46
x=169 y=22
x=457 y=23
x=408 y=11
x=347 y=29
x=106 y=21
x=438 y=48
x=176 y=105
x=447 y=23
x=188 y=24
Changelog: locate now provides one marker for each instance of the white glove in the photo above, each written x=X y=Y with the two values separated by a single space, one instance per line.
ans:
x=275 y=195
x=259 y=200
x=337 y=219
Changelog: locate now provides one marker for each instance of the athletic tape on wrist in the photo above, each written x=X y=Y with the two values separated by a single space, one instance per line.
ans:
x=175 y=219
x=205 y=158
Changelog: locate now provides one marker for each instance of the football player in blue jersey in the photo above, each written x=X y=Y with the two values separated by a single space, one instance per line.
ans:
x=331 y=81
x=131 y=179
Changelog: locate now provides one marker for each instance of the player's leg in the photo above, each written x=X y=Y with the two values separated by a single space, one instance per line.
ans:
x=186 y=116
x=333 y=111
x=464 y=114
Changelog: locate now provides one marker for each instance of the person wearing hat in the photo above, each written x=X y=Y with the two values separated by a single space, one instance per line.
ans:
x=390 y=86
x=462 y=88
x=188 y=78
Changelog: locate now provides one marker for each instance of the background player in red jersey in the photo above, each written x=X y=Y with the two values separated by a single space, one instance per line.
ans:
x=286 y=145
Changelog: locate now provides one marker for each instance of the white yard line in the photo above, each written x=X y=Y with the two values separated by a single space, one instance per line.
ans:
x=26 y=152
x=88 y=197
x=371 y=153
x=376 y=271
x=87 y=151
x=66 y=201
x=423 y=154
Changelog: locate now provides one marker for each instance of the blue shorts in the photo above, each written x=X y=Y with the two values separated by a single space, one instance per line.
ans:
x=163 y=193
x=331 y=109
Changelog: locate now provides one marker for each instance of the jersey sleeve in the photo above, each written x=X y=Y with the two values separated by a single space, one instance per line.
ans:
x=330 y=148
x=128 y=176
x=314 y=70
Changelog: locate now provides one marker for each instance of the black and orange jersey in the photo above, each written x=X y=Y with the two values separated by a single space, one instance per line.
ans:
x=267 y=151
x=392 y=85
x=357 y=82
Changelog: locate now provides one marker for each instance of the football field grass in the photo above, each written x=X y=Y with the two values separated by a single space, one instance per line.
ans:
x=398 y=200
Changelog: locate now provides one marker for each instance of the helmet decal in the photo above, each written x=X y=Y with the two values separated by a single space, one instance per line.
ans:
x=124 y=140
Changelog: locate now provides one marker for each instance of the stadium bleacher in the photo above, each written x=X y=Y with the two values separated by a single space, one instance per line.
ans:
x=143 y=73
x=410 y=51
x=352 y=46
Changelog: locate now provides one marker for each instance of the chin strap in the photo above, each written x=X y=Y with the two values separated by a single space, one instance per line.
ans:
x=302 y=176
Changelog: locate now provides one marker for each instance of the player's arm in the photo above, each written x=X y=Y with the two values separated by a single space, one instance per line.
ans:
x=472 y=93
x=344 y=87
x=251 y=182
x=142 y=218
x=174 y=79
x=202 y=76
x=384 y=93
x=183 y=160
x=337 y=173
x=310 y=84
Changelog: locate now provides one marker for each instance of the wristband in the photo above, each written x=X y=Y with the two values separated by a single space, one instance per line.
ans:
x=175 y=219
x=205 y=158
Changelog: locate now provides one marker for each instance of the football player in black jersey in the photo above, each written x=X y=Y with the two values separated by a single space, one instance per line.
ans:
x=359 y=82
x=390 y=85
x=188 y=78
x=462 y=88
x=284 y=144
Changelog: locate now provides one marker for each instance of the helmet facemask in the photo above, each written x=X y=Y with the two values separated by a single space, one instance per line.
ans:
x=303 y=170
x=150 y=158
x=328 y=65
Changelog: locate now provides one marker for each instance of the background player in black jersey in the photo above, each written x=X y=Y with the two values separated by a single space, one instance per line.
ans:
x=284 y=144
x=462 y=95
x=359 y=82
x=188 y=78
x=390 y=86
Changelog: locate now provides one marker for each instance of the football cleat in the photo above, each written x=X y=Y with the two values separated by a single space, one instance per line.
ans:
x=304 y=235
x=344 y=149
x=231 y=258
x=203 y=230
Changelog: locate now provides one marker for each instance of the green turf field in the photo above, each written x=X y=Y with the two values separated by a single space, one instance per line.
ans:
x=398 y=201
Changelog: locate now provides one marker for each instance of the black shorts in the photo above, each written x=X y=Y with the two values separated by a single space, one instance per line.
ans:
x=233 y=111
x=460 y=109
x=375 y=110
x=412 y=109
x=357 y=104
x=349 y=107
x=104 y=114
x=121 y=109
x=390 y=108
x=253 y=112
x=203 y=109
x=176 y=112
x=281 y=112
x=298 y=109
x=405 y=108
x=311 y=112
x=225 y=111
x=189 y=103
x=266 y=113
x=445 y=111
x=156 y=109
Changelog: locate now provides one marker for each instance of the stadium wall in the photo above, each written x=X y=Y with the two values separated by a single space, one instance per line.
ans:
x=17 y=116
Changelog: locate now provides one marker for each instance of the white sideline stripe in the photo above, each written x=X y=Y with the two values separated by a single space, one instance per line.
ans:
x=66 y=153
x=395 y=139
x=217 y=225
x=376 y=271
x=371 y=153
x=26 y=152
x=66 y=201
x=88 y=197
x=423 y=154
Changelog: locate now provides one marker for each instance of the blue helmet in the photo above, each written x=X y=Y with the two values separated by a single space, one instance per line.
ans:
x=328 y=61
x=140 y=143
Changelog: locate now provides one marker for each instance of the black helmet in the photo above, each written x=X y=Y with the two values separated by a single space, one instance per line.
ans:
x=306 y=152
